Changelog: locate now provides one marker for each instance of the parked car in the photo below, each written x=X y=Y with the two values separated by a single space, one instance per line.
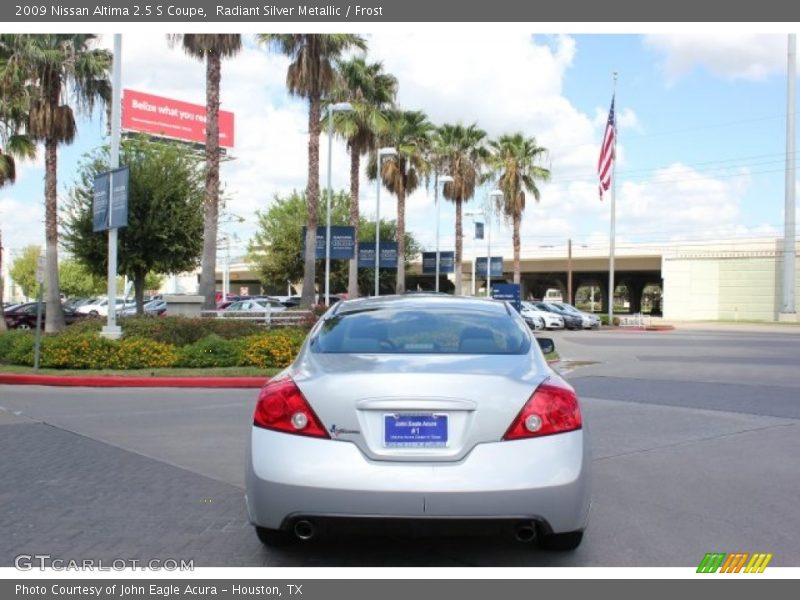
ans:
x=100 y=307
x=590 y=320
x=532 y=318
x=255 y=305
x=549 y=319
x=23 y=316
x=153 y=307
x=419 y=408
x=571 y=321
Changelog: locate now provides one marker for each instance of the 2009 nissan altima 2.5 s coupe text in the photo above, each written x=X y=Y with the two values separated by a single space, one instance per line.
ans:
x=426 y=409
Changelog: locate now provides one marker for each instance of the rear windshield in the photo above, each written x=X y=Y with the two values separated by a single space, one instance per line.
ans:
x=414 y=331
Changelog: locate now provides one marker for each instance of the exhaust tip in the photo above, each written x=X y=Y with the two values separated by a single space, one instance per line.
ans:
x=304 y=530
x=524 y=532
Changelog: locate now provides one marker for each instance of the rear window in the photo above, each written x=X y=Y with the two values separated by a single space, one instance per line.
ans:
x=414 y=331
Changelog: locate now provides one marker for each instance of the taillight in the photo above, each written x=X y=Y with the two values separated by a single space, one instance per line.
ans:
x=282 y=407
x=553 y=408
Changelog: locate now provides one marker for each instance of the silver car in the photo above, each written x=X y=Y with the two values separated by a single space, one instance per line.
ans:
x=419 y=408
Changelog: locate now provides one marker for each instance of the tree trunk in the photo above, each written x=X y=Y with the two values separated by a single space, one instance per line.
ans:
x=308 y=297
x=400 y=285
x=54 y=316
x=208 y=272
x=138 y=291
x=352 y=274
x=459 y=247
x=515 y=238
x=2 y=311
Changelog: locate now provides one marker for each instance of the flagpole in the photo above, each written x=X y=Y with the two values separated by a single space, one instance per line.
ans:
x=613 y=217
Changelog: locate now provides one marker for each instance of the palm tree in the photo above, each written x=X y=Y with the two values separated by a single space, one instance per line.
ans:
x=371 y=92
x=311 y=75
x=212 y=48
x=56 y=69
x=14 y=143
x=514 y=161
x=409 y=132
x=462 y=153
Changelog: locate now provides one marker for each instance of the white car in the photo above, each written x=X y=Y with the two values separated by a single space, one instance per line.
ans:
x=590 y=320
x=100 y=307
x=532 y=318
x=549 y=320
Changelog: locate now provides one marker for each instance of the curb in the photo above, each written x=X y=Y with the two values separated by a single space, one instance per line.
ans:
x=132 y=382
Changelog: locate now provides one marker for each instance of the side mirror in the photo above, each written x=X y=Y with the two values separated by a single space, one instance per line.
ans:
x=546 y=344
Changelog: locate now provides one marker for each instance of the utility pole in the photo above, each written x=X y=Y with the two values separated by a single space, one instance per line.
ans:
x=788 y=310
x=569 y=271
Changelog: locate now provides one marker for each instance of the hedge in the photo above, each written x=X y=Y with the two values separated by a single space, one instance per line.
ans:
x=83 y=349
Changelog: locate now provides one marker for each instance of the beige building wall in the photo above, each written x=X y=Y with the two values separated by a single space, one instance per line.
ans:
x=691 y=289
x=727 y=286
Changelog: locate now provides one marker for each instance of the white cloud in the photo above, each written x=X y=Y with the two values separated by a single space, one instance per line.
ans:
x=729 y=56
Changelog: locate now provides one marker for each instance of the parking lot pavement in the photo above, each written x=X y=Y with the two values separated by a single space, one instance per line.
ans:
x=680 y=469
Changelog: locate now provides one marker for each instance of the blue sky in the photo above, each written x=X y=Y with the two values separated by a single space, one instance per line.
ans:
x=702 y=129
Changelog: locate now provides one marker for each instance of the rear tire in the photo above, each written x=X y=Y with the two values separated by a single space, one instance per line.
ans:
x=561 y=542
x=275 y=538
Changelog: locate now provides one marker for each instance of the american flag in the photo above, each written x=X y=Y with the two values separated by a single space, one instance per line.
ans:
x=606 y=160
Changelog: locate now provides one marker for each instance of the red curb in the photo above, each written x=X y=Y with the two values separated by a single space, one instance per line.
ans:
x=121 y=381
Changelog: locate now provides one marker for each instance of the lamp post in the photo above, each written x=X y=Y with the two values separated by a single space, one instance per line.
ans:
x=472 y=214
x=333 y=108
x=383 y=152
x=493 y=196
x=443 y=180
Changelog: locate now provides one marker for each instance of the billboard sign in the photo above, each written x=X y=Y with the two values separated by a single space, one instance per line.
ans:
x=497 y=266
x=173 y=119
x=446 y=262
x=366 y=255
x=342 y=242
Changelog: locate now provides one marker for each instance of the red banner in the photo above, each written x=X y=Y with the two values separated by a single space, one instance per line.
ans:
x=172 y=118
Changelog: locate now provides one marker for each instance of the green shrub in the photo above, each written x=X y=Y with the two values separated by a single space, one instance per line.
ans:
x=141 y=353
x=77 y=351
x=89 y=325
x=604 y=320
x=182 y=331
x=211 y=351
x=10 y=339
x=276 y=348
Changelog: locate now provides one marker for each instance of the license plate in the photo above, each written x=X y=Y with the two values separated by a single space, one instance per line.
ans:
x=415 y=431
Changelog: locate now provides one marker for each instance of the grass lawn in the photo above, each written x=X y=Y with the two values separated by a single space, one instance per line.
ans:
x=183 y=372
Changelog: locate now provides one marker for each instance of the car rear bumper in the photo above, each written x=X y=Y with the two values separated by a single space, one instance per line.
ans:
x=291 y=477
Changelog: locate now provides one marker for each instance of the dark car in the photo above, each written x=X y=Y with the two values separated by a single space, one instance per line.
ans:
x=571 y=320
x=23 y=316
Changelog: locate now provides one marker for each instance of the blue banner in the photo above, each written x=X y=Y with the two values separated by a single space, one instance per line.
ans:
x=510 y=292
x=478 y=231
x=120 y=180
x=100 y=205
x=342 y=242
x=446 y=262
x=497 y=266
x=366 y=255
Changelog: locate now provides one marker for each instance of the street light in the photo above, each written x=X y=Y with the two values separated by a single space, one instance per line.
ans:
x=333 y=108
x=383 y=152
x=443 y=180
x=473 y=214
x=493 y=195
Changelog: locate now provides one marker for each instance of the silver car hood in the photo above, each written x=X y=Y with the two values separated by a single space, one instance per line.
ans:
x=480 y=395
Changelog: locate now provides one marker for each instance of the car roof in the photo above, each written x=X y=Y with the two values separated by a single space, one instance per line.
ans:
x=419 y=301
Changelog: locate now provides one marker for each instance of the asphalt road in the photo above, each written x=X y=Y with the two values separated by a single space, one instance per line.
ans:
x=694 y=432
